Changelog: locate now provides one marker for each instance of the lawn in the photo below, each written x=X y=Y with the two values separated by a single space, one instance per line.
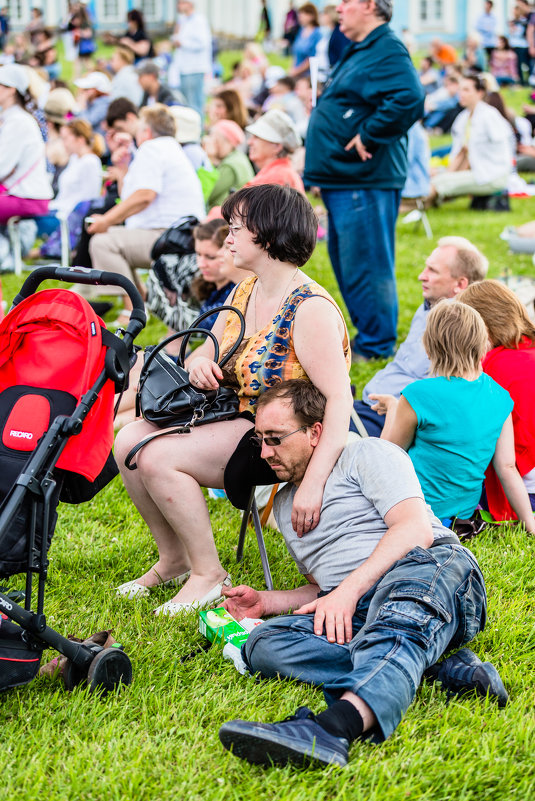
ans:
x=159 y=739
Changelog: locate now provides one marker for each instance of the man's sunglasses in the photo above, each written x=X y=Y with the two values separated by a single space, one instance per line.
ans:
x=274 y=442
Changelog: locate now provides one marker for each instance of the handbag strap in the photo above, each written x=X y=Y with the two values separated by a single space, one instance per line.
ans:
x=22 y=177
x=130 y=455
x=154 y=352
x=202 y=317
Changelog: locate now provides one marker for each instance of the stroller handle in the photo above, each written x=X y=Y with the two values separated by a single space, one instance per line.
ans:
x=82 y=275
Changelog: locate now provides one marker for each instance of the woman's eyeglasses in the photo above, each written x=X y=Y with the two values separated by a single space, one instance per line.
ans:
x=233 y=229
x=274 y=442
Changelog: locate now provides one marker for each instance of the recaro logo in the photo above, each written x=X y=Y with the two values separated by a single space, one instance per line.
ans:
x=21 y=434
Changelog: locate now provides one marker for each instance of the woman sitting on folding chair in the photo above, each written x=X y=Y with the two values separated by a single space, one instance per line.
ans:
x=294 y=329
x=25 y=190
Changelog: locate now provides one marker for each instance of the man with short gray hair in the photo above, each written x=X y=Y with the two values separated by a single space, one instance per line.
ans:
x=159 y=188
x=454 y=264
x=154 y=91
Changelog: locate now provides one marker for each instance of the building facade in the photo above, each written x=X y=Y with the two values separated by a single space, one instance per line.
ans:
x=450 y=20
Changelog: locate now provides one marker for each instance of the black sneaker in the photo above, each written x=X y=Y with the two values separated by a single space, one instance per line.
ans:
x=297 y=739
x=464 y=672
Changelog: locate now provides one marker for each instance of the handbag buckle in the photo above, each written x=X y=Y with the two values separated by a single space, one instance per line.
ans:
x=198 y=414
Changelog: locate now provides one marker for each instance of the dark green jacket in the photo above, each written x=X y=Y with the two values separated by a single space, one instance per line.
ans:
x=374 y=91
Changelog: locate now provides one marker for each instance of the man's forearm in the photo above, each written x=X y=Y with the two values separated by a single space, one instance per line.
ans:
x=277 y=602
x=137 y=202
x=396 y=543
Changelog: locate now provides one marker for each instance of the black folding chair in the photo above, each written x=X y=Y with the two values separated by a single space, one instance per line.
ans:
x=251 y=512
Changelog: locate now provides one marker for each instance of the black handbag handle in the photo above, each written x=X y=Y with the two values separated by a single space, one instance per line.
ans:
x=195 y=324
x=187 y=331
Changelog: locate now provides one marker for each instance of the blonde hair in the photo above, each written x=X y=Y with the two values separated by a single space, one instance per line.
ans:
x=503 y=313
x=126 y=54
x=455 y=339
x=84 y=129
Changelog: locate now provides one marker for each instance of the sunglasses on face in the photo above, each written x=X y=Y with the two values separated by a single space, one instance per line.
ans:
x=273 y=442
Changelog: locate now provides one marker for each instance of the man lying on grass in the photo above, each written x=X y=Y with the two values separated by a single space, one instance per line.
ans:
x=389 y=591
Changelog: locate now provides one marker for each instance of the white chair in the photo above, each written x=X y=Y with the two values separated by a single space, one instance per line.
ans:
x=14 y=238
x=419 y=216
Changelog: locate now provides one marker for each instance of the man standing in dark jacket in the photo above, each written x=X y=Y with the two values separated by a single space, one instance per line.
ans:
x=357 y=154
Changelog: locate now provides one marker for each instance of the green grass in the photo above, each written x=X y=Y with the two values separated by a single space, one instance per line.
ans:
x=158 y=739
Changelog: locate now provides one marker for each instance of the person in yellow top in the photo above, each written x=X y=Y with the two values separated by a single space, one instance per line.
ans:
x=293 y=329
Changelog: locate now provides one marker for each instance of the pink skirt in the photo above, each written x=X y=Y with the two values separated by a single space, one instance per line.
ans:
x=11 y=206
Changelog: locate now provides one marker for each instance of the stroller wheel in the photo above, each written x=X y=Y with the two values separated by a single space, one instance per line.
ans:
x=73 y=675
x=108 y=669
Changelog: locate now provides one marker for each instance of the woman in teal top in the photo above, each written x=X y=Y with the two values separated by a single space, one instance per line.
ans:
x=458 y=421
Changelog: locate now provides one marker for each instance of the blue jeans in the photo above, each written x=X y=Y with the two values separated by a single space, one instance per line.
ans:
x=362 y=225
x=192 y=87
x=428 y=602
x=372 y=422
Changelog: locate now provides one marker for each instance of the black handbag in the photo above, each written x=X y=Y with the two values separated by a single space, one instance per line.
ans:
x=165 y=396
x=177 y=239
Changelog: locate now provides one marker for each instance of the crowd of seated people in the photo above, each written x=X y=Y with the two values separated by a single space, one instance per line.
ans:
x=164 y=162
x=132 y=148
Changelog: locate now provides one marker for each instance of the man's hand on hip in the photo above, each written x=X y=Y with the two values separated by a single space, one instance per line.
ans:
x=333 y=614
x=356 y=142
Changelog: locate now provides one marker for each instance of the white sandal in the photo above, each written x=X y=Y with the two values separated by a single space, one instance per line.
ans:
x=131 y=589
x=213 y=596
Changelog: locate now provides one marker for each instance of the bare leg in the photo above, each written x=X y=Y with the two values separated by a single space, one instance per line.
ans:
x=166 y=489
x=368 y=718
x=528 y=230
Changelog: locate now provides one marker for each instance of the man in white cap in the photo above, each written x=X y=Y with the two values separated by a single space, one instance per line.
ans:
x=95 y=97
x=188 y=133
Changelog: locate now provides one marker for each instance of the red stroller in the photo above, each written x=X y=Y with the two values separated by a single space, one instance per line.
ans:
x=59 y=371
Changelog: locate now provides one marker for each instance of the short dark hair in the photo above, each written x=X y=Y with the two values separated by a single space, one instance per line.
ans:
x=308 y=403
x=480 y=84
x=280 y=218
x=136 y=16
x=288 y=82
x=118 y=109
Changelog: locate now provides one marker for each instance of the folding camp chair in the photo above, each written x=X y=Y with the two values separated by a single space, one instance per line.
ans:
x=252 y=513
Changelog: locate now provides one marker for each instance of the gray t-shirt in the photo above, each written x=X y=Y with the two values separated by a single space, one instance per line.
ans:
x=370 y=477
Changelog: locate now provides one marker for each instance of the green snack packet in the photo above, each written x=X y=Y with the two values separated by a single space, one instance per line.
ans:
x=218 y=625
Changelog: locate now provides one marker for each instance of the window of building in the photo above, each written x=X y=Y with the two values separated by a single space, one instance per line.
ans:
x=19 y=11
x=432 y=12
x=152 y=10
x=111 y=11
